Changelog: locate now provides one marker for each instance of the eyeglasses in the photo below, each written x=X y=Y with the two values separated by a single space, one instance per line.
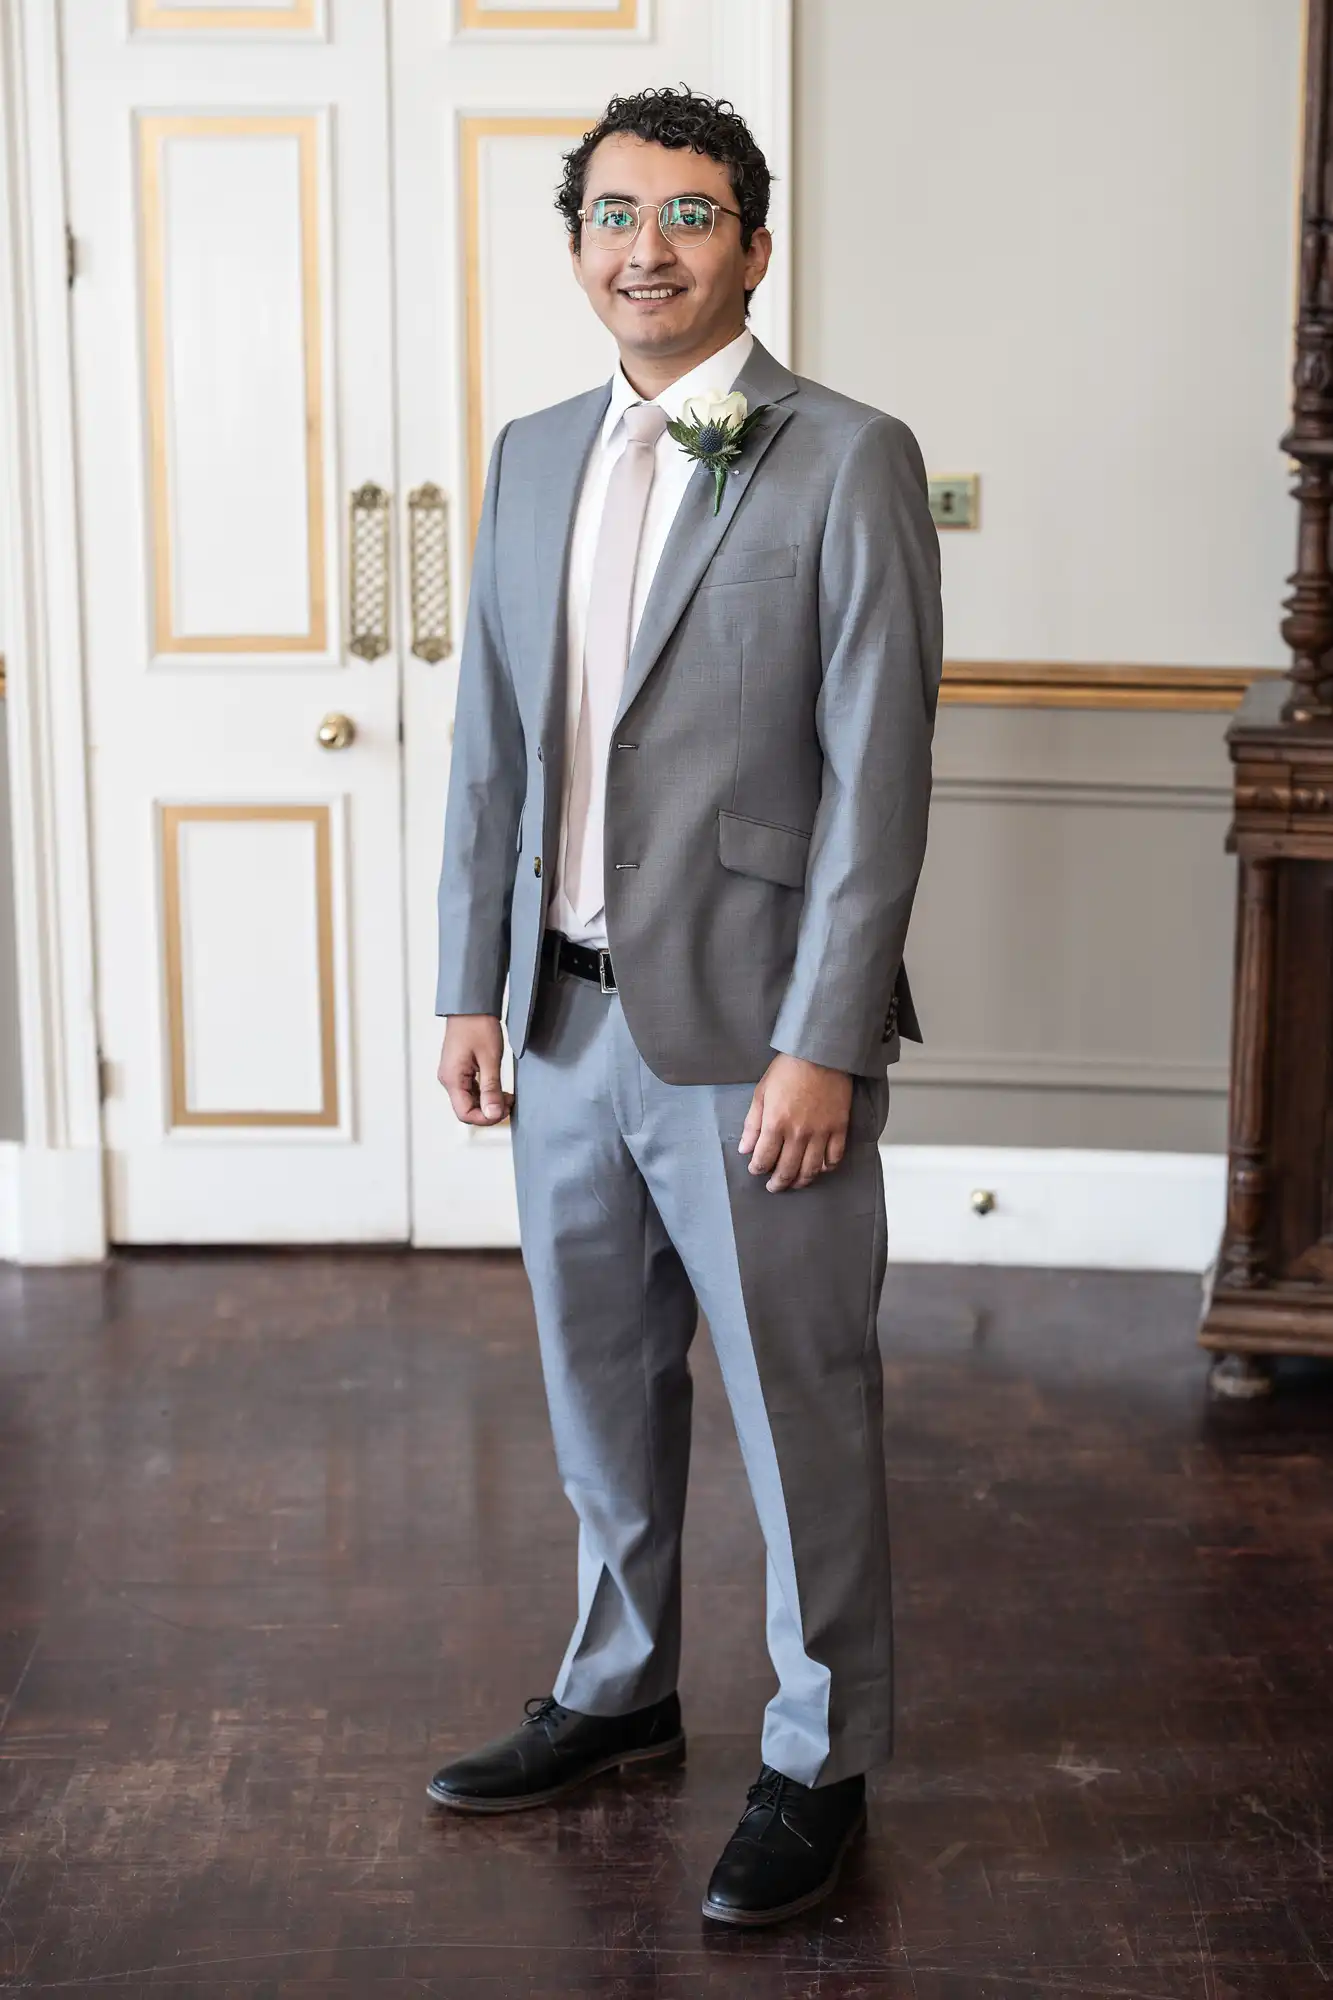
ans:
x=612 y=223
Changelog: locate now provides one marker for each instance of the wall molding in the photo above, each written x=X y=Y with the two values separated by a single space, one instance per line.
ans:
x=1055 y=1206
x=40 y=582
x=970 y=790
x=1053 y=684
x=983 y=1069
x=1092 y=1211
x=51 y=1204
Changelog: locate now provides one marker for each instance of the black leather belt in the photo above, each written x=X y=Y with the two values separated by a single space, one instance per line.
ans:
x=585 y=961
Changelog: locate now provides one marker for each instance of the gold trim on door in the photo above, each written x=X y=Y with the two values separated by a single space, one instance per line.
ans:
x=476 y=14
x=172 y=819
x=473 y=131
x=155 y=130
x=1048 y=684
x=297 y=16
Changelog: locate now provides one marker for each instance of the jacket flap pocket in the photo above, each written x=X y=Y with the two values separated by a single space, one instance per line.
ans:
x=757 y=847
x=750 y=566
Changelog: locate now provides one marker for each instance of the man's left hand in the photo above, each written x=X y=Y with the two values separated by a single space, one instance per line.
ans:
x=797 y=1123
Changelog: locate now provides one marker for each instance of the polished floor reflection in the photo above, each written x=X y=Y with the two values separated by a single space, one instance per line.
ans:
x=277 y=1534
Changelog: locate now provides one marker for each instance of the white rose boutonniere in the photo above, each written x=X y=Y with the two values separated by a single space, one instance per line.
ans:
x=711 y=430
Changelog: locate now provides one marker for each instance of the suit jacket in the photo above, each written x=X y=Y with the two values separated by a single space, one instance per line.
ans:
x=769 y=775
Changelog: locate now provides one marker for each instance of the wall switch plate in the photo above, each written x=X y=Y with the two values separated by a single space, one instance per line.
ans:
x=955 y=502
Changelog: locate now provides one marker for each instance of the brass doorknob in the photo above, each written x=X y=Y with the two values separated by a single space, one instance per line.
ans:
x=336 y=732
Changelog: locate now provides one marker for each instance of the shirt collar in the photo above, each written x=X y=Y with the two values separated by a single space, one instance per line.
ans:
x=718 y=372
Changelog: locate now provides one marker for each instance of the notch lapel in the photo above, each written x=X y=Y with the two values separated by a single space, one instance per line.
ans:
x=696 y=530
x=554 y=499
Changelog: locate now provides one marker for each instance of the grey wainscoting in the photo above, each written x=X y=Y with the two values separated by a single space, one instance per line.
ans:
x=1070 y=949
x=11 y=1101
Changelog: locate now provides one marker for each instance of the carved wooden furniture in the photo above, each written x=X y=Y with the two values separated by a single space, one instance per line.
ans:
x=1272 y=1290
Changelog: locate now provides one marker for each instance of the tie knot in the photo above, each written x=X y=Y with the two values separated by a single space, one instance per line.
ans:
x=645 y=422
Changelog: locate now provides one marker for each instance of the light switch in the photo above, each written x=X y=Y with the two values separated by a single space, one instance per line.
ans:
x=955 y=502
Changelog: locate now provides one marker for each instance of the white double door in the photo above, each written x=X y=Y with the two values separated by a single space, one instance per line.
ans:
x=316 y=266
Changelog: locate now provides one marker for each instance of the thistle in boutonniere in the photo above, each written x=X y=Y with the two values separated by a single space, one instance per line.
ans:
x=711 y=430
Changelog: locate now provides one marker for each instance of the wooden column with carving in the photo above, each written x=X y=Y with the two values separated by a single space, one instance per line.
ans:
x=1273 y=1286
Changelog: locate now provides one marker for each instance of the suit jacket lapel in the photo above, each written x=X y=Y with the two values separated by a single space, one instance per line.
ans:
x=696 y=530
x=555 y=498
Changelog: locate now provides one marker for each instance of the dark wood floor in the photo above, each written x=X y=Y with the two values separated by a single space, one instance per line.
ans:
x=277 y=1534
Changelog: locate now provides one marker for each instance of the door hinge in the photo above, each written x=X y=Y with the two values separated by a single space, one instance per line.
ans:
x=401 y=737
x=106 y=1077
x=71 y=257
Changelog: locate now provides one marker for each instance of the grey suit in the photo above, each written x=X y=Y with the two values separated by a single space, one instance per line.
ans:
x=779 y=701
x=767 y=798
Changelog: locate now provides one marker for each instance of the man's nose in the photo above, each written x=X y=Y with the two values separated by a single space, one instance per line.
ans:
x=651 y=249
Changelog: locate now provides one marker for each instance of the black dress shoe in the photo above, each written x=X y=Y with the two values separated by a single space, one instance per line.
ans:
x=785 y=1854
x=554 y=1750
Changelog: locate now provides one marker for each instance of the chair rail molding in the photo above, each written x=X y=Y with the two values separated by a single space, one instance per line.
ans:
x=1052 y=684
x=54 y=1202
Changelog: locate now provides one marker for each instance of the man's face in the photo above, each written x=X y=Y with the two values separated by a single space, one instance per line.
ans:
x=659 y=299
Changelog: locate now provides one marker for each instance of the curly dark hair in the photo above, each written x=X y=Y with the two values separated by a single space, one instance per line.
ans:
x=681 y=119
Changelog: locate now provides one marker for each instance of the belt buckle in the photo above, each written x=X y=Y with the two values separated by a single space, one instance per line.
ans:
x=603 y=964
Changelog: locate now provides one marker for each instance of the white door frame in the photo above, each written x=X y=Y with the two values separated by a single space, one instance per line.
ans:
x=52 y=1206
x=55 y=1203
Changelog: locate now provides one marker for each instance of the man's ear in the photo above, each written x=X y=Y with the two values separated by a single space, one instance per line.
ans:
x=576 y=262
x=757 y=258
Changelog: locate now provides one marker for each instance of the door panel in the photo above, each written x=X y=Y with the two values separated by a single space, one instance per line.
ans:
x=287 y=387
x=233 y=349
x=488 y=95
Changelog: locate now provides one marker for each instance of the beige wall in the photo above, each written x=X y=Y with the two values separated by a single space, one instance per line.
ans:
x=1056 y=237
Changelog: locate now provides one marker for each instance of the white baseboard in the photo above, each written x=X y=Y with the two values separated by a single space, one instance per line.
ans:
x=1104 y=1211
x=9 y=1199
x=1107 y=1211
x=51 y=1209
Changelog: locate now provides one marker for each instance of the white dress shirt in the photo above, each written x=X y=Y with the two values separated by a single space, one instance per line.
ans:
x=671 y=475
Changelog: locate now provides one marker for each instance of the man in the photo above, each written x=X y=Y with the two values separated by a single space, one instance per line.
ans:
x=687 y=813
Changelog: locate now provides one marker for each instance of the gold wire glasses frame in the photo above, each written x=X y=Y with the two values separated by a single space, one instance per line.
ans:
x=686 y=218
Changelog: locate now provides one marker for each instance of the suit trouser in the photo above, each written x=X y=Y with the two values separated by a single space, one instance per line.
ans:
x=634 y=1204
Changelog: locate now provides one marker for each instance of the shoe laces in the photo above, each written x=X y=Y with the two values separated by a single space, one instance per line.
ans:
x=766 y=1792
x=540 y=1709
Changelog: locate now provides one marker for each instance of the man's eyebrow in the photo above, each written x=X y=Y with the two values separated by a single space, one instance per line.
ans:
x=617 y=194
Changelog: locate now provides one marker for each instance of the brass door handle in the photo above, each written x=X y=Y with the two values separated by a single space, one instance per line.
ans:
x=368 y=609
x=428 y=571
x=336 y=732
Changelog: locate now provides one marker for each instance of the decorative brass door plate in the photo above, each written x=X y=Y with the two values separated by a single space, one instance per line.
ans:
x=428 y=550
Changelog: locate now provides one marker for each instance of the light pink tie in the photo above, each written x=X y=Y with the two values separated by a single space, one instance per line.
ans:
x=606 y=653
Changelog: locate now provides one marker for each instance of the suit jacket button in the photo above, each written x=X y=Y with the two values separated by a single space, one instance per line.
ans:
x=536 y=864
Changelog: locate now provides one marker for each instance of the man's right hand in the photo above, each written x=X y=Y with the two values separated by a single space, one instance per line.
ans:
x=470 y=1069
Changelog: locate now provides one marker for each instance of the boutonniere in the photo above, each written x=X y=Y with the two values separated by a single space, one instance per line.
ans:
x=711 y=430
